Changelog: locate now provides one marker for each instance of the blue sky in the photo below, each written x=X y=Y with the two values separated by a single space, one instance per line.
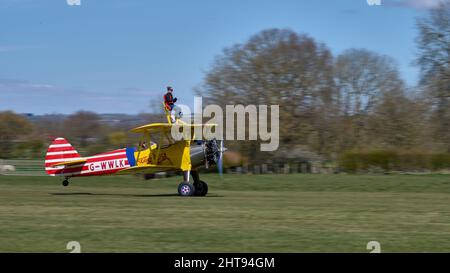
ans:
x=114 y=56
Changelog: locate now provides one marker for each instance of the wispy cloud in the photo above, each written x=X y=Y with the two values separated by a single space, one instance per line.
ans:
x=19 y=86
x=36 y=97
x=416 y=4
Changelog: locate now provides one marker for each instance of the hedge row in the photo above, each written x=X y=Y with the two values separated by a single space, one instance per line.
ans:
x=393 y=161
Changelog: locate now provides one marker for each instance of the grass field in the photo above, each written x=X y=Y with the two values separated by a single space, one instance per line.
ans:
x=268 y=213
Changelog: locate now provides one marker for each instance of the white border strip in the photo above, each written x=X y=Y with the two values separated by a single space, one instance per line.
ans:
x=107 y=155
x=61 y=160
x=62 y=153
x=60 y=145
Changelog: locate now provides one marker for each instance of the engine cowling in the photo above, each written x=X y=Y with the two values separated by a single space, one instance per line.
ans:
x=205 y=153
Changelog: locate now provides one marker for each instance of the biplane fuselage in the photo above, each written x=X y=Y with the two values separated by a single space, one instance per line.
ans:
x=101 y=164
x=63 y=160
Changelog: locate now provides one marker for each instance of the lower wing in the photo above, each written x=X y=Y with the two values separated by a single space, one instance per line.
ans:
x=145 y=169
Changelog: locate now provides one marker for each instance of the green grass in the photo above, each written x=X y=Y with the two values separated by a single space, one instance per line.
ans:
x=293 y=213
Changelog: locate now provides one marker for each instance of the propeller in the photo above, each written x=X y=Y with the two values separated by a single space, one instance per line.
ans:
x=220 y=160
x=214 y=154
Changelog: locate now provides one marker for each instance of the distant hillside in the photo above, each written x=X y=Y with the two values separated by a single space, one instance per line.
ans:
x=114 y=120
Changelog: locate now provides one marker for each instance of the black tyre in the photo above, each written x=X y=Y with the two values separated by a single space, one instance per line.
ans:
x=201 y=188
x=65 y=183
x=186 y=189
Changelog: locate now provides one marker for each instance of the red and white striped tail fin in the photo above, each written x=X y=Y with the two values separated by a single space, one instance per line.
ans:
x=59 y=151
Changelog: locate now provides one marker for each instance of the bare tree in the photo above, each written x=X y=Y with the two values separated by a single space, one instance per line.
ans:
x=363 y=79
x=278 y=66
x=397 y=122
x=434 y=62
x=83 y=126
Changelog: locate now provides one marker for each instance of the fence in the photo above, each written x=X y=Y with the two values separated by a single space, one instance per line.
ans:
x=36 y=168
x=283 y=168
x=22 y=167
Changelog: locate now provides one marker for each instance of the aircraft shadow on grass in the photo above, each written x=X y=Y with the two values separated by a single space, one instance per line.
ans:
x=122 y=194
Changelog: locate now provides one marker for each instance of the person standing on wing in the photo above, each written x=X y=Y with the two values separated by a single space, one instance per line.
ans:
x=169 y=102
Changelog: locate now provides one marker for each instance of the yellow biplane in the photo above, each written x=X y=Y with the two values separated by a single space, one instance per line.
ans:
x=157 y=151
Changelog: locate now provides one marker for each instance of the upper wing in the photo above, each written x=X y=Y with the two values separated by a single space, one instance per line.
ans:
x=152 y=127
x=70 y=163
x=166 y=127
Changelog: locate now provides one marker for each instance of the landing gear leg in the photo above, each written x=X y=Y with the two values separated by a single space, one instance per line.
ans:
x=65 y=183
x=201 y=188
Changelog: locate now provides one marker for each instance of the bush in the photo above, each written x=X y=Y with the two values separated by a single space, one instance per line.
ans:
x=393 y=161
x=34 y=148
x=440 y=161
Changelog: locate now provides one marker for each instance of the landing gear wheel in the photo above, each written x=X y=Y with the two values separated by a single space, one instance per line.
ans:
x=186 y=189
x=201 y=188
x=65 y=183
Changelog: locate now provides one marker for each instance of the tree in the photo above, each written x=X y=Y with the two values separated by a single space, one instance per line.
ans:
x=363 y=79
x=49 y=127
x=82 y=127
x=117 y=139
x=281 y=67
x=397 y=123
x=434 y=61
x=13 y=127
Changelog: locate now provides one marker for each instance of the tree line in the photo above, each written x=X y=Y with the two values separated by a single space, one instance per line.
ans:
x=334 y=106
x=24 y=137
x=354 y=103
